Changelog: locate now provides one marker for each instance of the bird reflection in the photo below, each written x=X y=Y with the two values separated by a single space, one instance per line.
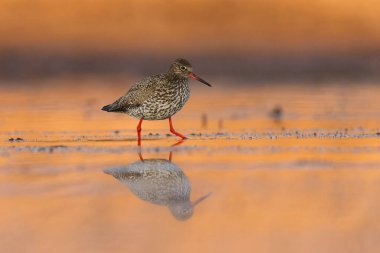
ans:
x=161 y=182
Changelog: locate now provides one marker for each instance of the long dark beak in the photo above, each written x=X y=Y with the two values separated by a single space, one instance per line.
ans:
x=193 y=204
x=195 y=77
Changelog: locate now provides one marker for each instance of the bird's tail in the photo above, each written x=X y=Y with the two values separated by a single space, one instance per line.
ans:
x=107 y=108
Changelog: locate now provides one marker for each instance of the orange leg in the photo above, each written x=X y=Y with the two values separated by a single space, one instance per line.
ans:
x=178 y=143
x=173 y=131
x=170 y=156
x=140 y=156
x=139 y=153
x=139 y=132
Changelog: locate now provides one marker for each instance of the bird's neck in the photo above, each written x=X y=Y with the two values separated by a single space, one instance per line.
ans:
x=177 y=79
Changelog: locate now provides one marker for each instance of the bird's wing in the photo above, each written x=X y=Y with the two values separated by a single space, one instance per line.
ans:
x=137 y=94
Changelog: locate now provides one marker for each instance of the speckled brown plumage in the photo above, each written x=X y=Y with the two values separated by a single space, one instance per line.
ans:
x=154 y=98
x=158 y=97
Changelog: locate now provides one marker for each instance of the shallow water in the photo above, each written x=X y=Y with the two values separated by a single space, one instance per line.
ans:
x=305 y=179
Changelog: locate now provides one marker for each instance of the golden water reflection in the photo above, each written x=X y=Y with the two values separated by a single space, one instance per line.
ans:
x=307 y=183
x=161 y=182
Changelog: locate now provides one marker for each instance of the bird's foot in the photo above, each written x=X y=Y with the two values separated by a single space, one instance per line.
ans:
x=178 y=134
x=178 y=143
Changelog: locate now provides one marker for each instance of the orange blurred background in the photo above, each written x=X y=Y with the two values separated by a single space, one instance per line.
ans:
x=273 y=39
x=293 y=167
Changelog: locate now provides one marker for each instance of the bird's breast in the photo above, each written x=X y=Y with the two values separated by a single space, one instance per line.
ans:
x=166 y=102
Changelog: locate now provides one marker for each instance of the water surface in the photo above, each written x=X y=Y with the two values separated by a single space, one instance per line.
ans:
x=289 y=168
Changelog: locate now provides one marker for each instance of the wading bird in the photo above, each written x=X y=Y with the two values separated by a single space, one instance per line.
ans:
x=158 y=97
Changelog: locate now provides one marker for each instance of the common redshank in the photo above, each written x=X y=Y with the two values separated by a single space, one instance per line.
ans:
x=158 y=97
x=161 y=182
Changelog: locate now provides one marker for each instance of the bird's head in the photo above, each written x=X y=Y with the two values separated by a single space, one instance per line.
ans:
x=183 y=68
x=181 y=210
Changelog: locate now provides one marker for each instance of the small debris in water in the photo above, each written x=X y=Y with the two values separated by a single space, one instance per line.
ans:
x=51 y=149
x=276 y=113
x=204 y=120
x=16 y=139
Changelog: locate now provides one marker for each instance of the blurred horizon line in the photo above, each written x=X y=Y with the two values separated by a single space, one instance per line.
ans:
x=361 y=65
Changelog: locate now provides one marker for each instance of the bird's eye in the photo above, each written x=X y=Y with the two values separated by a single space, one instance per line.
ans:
x=182 y=68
